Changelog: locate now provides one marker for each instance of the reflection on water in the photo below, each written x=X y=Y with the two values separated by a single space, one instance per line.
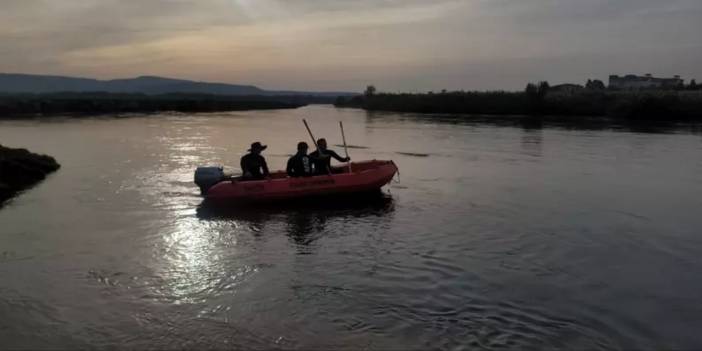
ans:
x=305 y=220
x=502 y=234
x=532 y=142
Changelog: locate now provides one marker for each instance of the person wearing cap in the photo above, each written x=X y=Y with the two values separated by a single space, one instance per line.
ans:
x=300 y=165
x=321 y=159
x=253 y=165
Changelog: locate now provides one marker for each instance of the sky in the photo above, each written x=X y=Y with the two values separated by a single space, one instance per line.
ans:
x=397 y=45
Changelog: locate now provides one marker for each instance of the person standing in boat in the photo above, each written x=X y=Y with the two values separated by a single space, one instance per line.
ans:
x=253 y=165
x=321 y=158
x=300 y=164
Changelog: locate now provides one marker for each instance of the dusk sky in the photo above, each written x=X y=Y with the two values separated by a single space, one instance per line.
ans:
x=407 y=45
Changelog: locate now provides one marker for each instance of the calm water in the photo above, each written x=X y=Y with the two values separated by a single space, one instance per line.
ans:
x=496 y=237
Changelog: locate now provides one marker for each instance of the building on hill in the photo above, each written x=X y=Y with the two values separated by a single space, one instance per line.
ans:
x=634 y=82
x=567 y=88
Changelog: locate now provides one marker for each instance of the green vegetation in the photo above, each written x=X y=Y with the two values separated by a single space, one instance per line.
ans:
x=20 y=169
x=595 y=84
x=97 y=103
x=541 y=100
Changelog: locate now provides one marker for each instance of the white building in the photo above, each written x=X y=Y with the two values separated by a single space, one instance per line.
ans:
x=633 y=82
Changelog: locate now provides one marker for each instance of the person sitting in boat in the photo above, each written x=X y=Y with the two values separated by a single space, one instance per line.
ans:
x=300 y=164
x=253 y=165
x=321 y=158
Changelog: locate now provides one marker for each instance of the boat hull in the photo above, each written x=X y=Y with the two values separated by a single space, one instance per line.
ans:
x=364 y=177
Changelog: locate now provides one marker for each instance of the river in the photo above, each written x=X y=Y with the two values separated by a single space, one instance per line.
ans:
x=494 y=237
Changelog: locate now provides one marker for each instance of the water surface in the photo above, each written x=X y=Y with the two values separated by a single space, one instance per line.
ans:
x=495 y=237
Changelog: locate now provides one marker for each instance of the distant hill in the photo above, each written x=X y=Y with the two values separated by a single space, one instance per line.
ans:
x=28 y=83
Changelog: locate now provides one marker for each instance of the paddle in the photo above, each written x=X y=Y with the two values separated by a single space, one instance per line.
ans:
x=314 y=141
x=346 y=149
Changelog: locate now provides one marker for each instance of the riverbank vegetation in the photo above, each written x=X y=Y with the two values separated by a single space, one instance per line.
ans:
x=541 y=100
x=21 y=169
x=98 y=103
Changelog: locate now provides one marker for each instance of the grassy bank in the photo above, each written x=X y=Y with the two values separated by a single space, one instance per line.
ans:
x=649 y=105
x=21 y=169
x=97 y=103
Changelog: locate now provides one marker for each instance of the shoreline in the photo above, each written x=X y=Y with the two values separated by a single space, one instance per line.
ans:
x=46 y=105
x=609 y=106
x=527 y=122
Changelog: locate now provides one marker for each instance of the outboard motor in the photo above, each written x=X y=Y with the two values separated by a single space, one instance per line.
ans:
x=207 y=177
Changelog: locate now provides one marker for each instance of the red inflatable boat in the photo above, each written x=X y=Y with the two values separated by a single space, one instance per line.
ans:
x=365 y=176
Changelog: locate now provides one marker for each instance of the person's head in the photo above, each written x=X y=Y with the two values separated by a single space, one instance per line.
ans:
x=322 y=143
x=302 y=147
x=257 y=147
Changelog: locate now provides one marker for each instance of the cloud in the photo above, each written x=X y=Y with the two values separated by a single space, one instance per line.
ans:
x=401 y=44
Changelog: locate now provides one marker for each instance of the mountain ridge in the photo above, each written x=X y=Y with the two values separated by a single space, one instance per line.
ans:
x=145 y=84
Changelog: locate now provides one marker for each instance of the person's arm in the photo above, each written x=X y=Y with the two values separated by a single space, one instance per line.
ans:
x=290 y=170
x=337 y=157
x=242 y=163
x=265 y=167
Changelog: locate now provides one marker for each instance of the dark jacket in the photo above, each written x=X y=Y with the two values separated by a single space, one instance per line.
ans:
x=300 y=165
x=322 y=164
x=254 y=166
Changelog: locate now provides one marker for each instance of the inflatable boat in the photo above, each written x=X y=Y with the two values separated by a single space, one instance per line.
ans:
x=360 y=177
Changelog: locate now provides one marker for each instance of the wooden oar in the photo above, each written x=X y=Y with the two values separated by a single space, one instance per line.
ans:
x=346 y=149
x=314 y=141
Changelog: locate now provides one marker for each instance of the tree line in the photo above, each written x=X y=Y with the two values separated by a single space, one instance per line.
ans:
x=97 y=103
x=539 y=99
